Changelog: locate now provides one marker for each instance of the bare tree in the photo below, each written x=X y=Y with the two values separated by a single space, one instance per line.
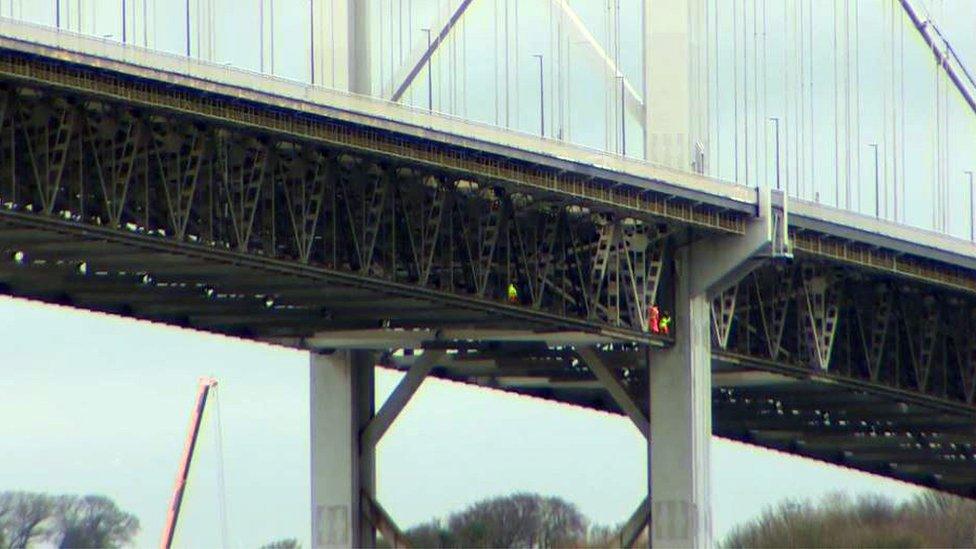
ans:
x=24 y=517
x=288 y=543
x=519 y=520
x=93 y=521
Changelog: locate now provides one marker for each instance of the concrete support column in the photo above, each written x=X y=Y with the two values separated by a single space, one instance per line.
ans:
x=341 y=405
x=681 y=420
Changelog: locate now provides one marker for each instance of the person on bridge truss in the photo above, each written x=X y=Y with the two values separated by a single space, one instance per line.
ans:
x=513 y=294
x=654 y=319
x=665 y=324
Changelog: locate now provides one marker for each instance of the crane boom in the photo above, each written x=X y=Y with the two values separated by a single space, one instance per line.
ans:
x=169 y=528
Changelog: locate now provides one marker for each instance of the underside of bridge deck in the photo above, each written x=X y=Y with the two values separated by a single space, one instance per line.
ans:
x=828 y=418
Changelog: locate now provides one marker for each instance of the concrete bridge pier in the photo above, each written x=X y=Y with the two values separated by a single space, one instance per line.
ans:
x=681 y=421
x=342 y=470
x=345 y=428
x=680 y=375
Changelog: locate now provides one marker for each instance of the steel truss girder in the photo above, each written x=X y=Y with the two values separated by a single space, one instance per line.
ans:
x=873 y=312
x=774 y=292
x=882 y=331
x=822 y=311
x=920 y=316
x=141 y=171
x=965 y=344
x=723 y=311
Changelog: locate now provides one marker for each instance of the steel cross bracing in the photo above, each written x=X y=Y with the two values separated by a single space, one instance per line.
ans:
x=152 y=173
x=154 y=202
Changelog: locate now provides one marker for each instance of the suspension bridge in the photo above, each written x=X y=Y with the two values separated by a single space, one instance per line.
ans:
x=780 y=178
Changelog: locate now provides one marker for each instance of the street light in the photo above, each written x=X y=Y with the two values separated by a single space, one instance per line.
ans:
x=188 y=28
x=542 y=97
x=623 y=117
x=972 y=228
x=124 y=28
x=877 y=182
x=430 y=74
x=311 y=41
x=776 y=124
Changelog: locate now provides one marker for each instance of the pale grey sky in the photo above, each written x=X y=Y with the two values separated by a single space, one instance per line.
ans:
x=99 y=404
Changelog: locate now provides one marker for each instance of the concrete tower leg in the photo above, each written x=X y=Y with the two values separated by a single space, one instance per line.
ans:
x=341 y=405
x=341 y=44
x=675 y=84
x=359 y=66
x=681 y=421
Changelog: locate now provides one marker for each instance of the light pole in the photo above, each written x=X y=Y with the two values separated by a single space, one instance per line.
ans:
x=311 y=40
x=623 y=117
x=430 y=73
x=542 y=96
x=125 y=34
x=877 y=182
x=188 y=28
x=775 y=122
x=57 y=14
x=972 y=228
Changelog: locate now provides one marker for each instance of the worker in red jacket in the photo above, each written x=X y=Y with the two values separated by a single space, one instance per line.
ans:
x=654 y=319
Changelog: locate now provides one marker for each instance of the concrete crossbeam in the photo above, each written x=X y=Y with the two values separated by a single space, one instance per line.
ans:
x=397 y=400
x=612 y=384
x=413 y=339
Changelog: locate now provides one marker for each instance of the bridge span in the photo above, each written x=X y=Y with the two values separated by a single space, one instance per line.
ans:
x=181 y=192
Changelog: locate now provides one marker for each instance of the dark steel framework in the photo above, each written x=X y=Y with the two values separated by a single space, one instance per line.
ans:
x=162 y=203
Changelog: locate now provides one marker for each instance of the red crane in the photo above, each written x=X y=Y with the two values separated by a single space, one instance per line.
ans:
x=169 y=528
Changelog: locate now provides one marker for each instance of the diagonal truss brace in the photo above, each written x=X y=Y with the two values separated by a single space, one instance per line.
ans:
x=398 y=399
x=873 y=327
x=616 y=389
x=774 y=303
x=923 y=333
x=631 y=529
x=381 y=520
x=966 y=356
x=822 y=312
x=723 y=311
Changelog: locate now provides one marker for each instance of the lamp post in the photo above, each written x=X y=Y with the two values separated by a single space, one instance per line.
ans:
x=311 y=41
x=542 y=96
x=972 y=228
x=188 y=28
x=125 y=34
x=430 y=73
x=623 y=117
x=877 y=182
x=775 y=122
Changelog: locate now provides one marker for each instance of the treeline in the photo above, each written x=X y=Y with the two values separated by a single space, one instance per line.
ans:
x=529 y=520
x=928 y=520
x=28 y=519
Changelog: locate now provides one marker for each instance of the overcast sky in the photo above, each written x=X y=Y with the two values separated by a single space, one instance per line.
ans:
x=98 y=404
